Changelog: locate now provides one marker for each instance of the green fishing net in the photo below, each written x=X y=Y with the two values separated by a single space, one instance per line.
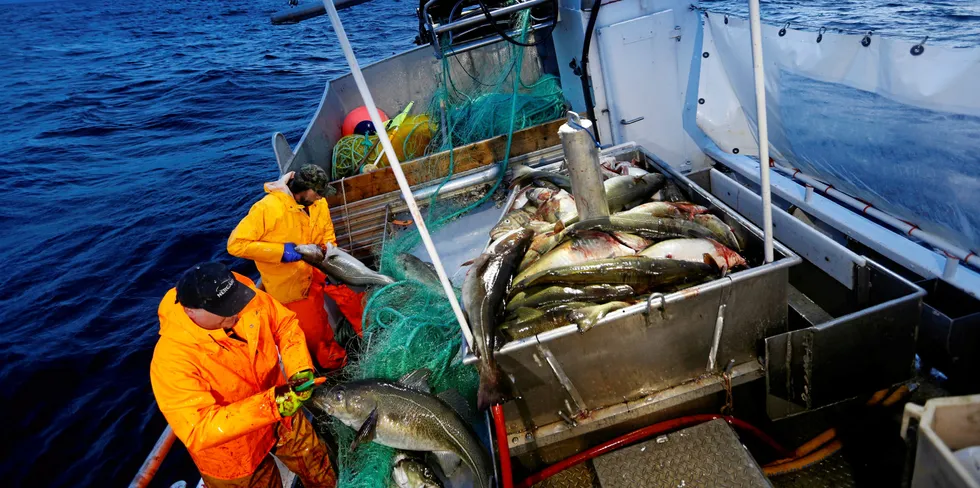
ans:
x=410 y=324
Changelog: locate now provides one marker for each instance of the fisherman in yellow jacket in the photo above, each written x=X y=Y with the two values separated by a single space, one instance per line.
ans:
x=293 y=213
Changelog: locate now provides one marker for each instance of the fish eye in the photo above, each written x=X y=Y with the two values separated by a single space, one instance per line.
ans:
x=339 y=396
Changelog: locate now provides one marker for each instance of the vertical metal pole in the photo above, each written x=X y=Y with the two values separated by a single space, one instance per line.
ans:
x=396 y=167
x=760 y=109
x=582 y=158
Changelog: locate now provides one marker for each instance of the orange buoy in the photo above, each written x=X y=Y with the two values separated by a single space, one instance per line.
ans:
x=359 y=122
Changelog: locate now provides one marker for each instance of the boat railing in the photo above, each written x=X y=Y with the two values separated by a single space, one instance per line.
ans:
x=153 y=461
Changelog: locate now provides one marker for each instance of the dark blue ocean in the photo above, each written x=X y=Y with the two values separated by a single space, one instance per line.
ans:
x=134 y=135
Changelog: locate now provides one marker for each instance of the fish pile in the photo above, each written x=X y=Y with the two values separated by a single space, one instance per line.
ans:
x=546 y=269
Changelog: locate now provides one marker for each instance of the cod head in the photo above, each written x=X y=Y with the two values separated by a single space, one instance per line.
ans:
x=311 y=253
x=351 y=404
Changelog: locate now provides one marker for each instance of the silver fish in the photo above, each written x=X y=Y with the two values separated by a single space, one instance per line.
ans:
x=656 y=228
x=622 y=190
x=678 y=210
x=673 y=193
x=408 y=471
x=587 y=317
x=342 y=267
x=405 y=415
x=528 y=322
x=694 y=250
x=522 y=175
x=484 y=289
x=418 y=270
x=515 y=219
x=541 y=227
x=559 y=208
x=537 y=196
x=642 y=273
x=631 y=241
x=562 y=294
x=582 y=247
x=722 y=232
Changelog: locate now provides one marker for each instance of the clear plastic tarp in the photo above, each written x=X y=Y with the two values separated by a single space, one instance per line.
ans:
x=863 y=113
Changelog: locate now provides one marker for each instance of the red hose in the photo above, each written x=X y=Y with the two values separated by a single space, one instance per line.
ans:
x=503 y=449
x=649 y=431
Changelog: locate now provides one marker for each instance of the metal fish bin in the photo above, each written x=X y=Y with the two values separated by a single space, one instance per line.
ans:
x=565 y=377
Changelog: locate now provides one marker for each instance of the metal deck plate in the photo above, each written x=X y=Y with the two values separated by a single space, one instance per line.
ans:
x=706 y=455
x=833 y=472
x=580 y=476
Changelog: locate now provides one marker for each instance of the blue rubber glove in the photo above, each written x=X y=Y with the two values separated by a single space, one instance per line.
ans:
x=289 y=254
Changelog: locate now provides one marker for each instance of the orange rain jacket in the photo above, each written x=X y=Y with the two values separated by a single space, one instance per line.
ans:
x=217 y=392
x=273 y=221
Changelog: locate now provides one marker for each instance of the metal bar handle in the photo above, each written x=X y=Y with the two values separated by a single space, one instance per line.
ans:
x=477 y=19
x=631 y=121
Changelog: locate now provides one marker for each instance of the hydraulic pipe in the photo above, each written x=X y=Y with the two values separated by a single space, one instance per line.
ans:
x=152 y=464
x=763 y=126
x=396 y=168
x=507 y=477
x=582 y=157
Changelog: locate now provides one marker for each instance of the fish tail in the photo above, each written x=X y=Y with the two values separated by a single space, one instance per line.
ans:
x=490 y=392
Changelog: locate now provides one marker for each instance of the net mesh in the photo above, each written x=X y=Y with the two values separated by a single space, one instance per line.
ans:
x=410 y=324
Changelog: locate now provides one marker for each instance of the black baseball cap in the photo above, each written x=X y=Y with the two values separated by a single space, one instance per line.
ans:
x=211 y=286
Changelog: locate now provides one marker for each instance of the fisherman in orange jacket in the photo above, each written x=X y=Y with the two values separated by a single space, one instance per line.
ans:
x=217 y=379
x=294 y=213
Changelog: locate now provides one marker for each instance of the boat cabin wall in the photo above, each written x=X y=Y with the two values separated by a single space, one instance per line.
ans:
x=412 y=76
x=641 y=60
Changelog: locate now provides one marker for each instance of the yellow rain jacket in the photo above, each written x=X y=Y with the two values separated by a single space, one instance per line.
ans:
x=217 y=392
x=273 y=221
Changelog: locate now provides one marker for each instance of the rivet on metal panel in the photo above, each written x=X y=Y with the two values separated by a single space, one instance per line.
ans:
x=663 y=306
x=705 y=54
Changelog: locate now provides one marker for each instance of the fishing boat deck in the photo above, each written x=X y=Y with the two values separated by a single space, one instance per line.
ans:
x=873 y=452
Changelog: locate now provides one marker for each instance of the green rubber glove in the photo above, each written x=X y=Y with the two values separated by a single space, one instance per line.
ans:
x=297 y=380
x=291 y=396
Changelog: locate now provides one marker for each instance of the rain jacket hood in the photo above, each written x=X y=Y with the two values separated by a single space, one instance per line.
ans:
x=217 y=390
x=280 y=186
x=272 y=222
